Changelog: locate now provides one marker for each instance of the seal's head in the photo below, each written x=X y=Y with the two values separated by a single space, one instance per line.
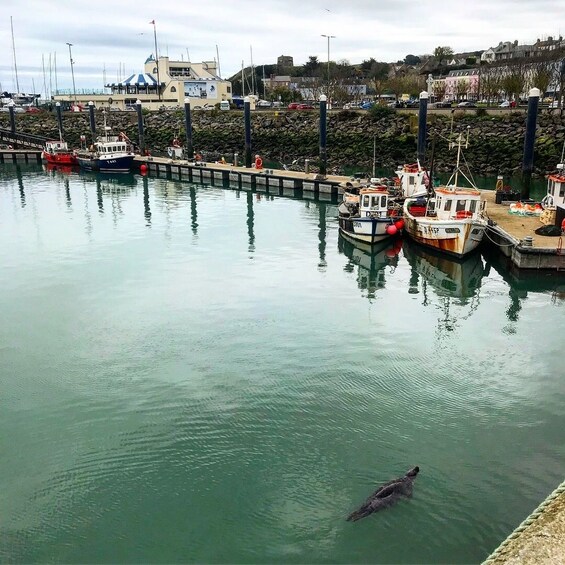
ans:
x=413 y=472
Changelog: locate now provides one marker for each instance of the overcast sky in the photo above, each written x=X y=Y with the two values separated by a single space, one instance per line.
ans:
x=116 y=35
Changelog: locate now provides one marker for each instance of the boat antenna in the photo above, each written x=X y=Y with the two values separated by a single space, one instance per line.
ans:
x=252 y=71
x=563 y=153
x=14 y=50
x=431 y=168
x=374 y=154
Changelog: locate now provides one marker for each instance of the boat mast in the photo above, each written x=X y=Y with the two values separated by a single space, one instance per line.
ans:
x=252 y=71
x=156 y=58
x=242 y=80
x=219 y=73
x=14 y=50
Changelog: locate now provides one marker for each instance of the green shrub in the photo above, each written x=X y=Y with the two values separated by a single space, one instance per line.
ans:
x=377 y=112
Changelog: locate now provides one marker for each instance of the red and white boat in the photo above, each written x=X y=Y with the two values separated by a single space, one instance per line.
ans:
x=58 y=153
x=450 y=218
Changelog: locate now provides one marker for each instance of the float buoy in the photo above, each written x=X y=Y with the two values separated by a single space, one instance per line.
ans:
x=143 y=169
x=391 y=229
x=258 y=162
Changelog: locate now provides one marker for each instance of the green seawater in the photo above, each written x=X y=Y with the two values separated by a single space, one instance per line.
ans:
x=192 y=374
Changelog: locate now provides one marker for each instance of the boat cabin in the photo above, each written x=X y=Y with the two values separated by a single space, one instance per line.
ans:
x=111 y=144
x=412 y=180
x=373 y=202
x=56 y=147
x=455 y=204
x=555 y=188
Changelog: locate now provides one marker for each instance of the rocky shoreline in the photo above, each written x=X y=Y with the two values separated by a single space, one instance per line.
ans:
x=495 y=141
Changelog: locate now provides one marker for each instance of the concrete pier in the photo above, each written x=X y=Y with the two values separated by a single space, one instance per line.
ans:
x=272 y=181
x=511 y=234
x=540 y=539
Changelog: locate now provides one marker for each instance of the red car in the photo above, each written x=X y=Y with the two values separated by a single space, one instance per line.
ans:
x=305 y=107
x=293 y=105
x=33 y=110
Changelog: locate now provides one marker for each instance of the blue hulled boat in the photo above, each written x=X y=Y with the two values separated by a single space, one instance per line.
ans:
x=109 y=154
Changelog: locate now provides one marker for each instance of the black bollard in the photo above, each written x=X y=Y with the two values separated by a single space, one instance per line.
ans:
x=92 y=122
x=247 y=118
x=12 y=110
x=188 y=128
x=323 y=138
x=422 y=126
x=59 y=119
x=528 y=159
x=140 y=127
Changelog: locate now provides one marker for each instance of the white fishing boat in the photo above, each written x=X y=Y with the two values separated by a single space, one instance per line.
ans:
x=555 y=196
x=450 y=217
x=372 y=218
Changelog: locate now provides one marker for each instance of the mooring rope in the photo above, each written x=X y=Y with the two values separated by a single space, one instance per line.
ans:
x=503 y=547
x=499 y=244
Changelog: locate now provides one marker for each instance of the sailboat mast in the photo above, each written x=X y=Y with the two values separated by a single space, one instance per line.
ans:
x=218 y=56
x=252 y=71
x=242 y=81
x=14 y=50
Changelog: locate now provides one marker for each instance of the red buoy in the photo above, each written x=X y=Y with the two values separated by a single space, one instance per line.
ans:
x=143 y=169
x=391 y=229
x=399 y=224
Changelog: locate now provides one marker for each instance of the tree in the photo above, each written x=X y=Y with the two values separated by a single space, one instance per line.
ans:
x=311 y=66
x=542 y=73
x=442 y=52
x=462 y=88
x=439 y=90
x=412 y=60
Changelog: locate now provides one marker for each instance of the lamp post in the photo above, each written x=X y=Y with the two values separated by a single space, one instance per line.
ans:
x=329 y=37
x=72 y=71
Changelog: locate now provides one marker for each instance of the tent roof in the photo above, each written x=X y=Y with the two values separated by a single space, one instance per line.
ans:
x=141 y=79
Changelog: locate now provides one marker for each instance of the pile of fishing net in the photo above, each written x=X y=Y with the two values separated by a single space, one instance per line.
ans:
x=551 y=231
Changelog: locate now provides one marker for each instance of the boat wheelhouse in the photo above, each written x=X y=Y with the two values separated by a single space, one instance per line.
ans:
x=373 y=218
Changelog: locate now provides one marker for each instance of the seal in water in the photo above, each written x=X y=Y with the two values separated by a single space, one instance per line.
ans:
x=386 y=495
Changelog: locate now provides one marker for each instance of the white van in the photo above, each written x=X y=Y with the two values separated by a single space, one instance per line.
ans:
x=224 y=105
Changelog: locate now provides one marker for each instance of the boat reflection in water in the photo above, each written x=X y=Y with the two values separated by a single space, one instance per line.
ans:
x=455 y=282
x=110 y=183
x=372 y=262
x=56 y=168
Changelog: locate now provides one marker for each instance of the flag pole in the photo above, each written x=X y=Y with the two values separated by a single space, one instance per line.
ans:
x=156 y=58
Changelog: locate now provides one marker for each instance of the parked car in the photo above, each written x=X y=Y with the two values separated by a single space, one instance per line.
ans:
x=305 y=107
x=293 y=105
x=504 y=104
x=466 y=104
x=33 y=110
x=263 y=104
x=443 y=104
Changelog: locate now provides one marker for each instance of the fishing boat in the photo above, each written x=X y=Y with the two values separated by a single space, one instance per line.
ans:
x=555 y=196
x=58 y=153
x=109 y=154
x=371 y=218
x=450 y=217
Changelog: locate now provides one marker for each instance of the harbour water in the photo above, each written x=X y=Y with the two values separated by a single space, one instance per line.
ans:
x=194 y=374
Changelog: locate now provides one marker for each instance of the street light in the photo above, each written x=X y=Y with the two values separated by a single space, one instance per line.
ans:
x=329 y=37
x=72 y=71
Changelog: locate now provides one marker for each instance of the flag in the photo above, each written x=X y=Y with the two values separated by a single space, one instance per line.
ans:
x=152 y=22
